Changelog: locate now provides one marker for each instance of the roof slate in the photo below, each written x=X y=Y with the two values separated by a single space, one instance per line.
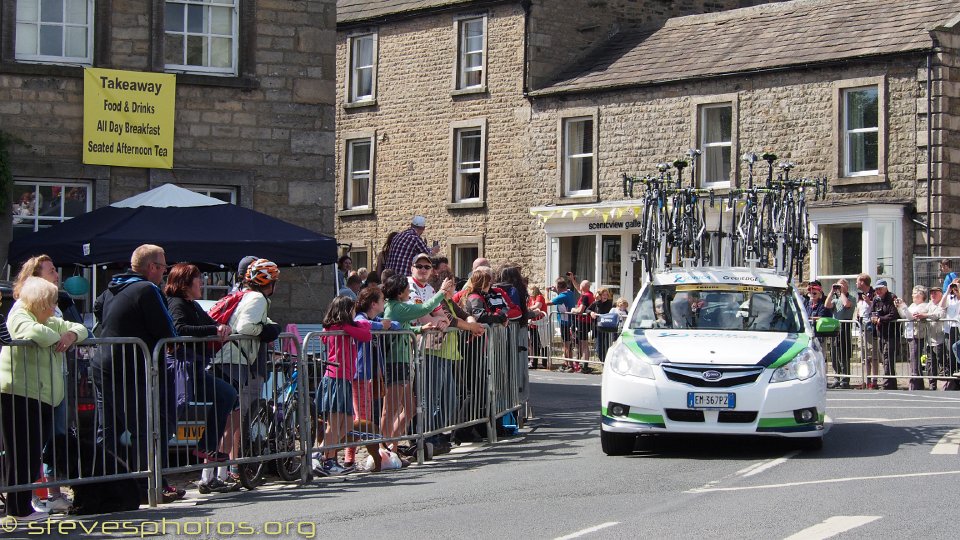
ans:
x=763 y=37
x=358 y=10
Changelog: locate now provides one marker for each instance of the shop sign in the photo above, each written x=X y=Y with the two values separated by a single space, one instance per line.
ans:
x=128 y=118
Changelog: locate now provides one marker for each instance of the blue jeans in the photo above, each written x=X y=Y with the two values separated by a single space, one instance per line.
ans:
x=441 y=393
x=59 y=427
x=224 y=398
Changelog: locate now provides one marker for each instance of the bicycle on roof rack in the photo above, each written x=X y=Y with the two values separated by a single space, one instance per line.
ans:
x=771 y=230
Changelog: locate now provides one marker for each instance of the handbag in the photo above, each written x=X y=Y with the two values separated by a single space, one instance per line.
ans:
x=608 y=321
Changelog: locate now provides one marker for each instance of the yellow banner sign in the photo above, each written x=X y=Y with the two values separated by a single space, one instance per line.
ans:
x=128 y=118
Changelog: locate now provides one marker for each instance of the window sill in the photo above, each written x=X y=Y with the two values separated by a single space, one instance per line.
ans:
x=360 y=104
x=47 y=70
x=473 y=90
x=578 y=199
x=356 y=212
x=858 y=180
x=469 y=205
x=197 y=79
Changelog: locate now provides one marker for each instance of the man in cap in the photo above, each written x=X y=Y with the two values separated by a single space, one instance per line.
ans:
x=883 y=314
x=406 y=244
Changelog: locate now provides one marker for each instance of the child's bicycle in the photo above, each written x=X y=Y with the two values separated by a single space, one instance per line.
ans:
x=273 y=426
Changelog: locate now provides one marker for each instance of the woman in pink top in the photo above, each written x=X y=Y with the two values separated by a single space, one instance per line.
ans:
x=335 y=395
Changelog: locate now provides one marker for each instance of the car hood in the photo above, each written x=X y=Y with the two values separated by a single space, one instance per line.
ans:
x=767 y=349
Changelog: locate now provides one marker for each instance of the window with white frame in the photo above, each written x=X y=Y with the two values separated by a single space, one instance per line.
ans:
x=55 y=31
x=201 y=36
x=471 y=45
x=224 y=193
x=463 y=257
x=469 y=164
x=577 y=156
x=359 y=173
x=861 y=131
x=362 y=77
x=841 y=249
x=716 y=143
x=38 y=204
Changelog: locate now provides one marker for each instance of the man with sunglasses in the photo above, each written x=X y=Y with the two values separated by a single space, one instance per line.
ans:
x=132 y=306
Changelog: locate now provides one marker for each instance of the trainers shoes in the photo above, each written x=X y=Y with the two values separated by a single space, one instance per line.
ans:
x=58 y=504
x=217 y=486
x=171 y=494
x=332 y=468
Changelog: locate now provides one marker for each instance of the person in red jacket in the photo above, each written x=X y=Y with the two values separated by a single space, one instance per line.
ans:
x=335 y=395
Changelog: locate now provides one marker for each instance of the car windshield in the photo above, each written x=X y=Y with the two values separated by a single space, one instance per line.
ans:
x=710 y=306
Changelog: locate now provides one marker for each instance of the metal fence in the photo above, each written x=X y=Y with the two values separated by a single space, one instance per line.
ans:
x=921 y=354
x=196 y=403
x=571 y=339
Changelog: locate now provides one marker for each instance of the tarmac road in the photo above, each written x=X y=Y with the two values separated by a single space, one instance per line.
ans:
x=889 y=469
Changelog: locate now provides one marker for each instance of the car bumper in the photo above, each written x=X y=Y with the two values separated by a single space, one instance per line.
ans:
x=761 y=408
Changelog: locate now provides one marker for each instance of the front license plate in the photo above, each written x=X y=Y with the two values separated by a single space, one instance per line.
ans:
x=702 y=400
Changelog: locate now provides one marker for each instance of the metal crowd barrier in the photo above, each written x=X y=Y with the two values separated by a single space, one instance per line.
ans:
x=151 y=416
x=569 y=339
x=919 y=353
x=112 y=403
x=240 y=398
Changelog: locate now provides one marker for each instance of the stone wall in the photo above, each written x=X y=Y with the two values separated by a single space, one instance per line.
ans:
x=790 y=114
x=412 y=119
x=269 y=133
x=945 y=144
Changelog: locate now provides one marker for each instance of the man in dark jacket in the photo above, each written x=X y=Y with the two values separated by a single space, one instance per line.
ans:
x=132 y=306
x=883 y=314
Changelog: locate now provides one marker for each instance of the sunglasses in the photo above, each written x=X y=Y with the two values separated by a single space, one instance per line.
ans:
x=423 y=266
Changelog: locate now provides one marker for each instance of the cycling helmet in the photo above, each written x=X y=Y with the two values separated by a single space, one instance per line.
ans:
x=262 y=272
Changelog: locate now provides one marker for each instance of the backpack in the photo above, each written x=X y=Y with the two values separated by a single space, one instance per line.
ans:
x=224 y=308
x=500 y=302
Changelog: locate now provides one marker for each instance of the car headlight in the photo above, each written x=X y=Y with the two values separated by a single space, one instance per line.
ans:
x=624 y=362
x=801 y=368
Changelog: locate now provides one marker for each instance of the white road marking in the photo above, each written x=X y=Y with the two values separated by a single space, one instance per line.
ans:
x=949 y=444
x=826 y=481
x=587 y=531
x=857 y=420
x=771 y=464
x=832 y=527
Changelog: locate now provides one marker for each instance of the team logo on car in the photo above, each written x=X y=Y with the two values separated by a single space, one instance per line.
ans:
x=711 y=375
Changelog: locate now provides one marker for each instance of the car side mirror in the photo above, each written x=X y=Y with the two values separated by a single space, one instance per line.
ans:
x=826 y=327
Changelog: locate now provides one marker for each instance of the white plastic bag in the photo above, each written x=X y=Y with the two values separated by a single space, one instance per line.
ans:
x=388 y=460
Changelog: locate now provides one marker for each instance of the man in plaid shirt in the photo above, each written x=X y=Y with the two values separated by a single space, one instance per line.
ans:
x=407 y=244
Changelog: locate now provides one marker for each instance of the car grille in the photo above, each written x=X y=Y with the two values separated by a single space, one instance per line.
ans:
x=737 y=417
x=723 y=417
x=730 y=376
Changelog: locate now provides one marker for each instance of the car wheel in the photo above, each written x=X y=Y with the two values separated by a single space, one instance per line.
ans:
x=617 y=444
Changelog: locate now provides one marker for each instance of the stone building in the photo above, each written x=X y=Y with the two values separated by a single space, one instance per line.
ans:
x=254 y=120
x=508 y=124
x=863 y=92
x=433 y=114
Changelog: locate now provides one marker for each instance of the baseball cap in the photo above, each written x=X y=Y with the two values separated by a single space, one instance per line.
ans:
x=419 y=221
x=419 y=256
x=881 y=283
x=244 y=263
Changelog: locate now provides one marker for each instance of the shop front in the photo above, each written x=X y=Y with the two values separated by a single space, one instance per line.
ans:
x=595 y=242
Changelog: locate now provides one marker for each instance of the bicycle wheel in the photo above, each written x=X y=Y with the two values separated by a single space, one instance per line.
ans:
x=288 y=439
x=255 y=441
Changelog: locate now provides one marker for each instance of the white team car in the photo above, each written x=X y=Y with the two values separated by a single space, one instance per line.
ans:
x=725 y=351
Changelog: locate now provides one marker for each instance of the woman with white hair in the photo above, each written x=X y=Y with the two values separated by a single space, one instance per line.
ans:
x=921 y=316
x=31 y=385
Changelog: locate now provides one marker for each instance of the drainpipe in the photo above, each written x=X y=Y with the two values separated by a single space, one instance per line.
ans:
x=930 y=149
